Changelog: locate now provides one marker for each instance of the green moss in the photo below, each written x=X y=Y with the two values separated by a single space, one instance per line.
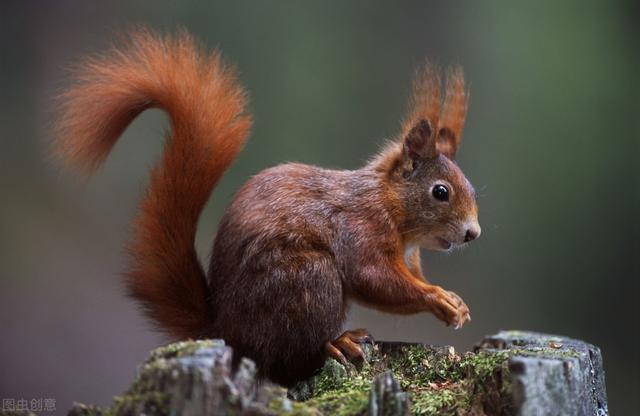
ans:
x=443 y=383
x=154 y=403
x=437 y=380
x=544 y=352
x=284 y=406
x=418 y=366
x=342 y=391
x=451 y=400
x=331 y=377
x=182 y=349
x=482 y=365
x=351 y=401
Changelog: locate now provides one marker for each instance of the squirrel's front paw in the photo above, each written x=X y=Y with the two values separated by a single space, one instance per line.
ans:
x=449 y=307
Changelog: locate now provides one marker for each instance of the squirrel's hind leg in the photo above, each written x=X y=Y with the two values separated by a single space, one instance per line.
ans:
x=299 y=307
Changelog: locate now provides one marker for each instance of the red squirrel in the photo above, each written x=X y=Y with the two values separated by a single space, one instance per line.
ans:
x=298 y=243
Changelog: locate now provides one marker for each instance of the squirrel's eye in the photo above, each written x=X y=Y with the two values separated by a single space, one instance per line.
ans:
x=440 y=192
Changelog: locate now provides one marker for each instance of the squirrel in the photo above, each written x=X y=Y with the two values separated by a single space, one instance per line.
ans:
x=298 y=243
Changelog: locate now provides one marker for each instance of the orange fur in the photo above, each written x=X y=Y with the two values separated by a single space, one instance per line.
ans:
x=208 y=129
x=446 y=119
x=425 y=100
x=454 y=112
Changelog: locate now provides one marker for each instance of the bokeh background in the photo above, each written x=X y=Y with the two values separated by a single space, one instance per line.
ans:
x=551 y=142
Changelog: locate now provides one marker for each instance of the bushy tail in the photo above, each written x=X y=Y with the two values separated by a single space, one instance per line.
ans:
x=209 y=126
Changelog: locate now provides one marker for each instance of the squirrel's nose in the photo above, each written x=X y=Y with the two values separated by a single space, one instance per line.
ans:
x=472 y=233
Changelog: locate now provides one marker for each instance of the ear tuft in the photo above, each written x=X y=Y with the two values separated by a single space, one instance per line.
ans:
x=446 y=142
x=453 y=114
x=425 y=99
x=426 y=112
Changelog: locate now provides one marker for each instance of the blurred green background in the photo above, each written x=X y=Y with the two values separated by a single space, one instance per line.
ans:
x=551 y=143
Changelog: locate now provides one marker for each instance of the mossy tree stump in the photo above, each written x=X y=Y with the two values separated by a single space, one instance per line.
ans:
x=511 y=373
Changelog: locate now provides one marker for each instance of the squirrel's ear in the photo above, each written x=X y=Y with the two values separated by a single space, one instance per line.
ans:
x=420 y=142
x=422 y=116
x=453 y=114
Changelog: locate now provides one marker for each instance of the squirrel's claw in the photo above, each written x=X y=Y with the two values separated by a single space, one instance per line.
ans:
x=335 y=353
x=360 y=336
x=348 y=344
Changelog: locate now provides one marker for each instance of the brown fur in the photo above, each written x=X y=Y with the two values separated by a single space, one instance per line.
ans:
x=298 y=242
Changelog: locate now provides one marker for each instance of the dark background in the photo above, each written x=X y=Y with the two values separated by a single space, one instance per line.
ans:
x=551 y=143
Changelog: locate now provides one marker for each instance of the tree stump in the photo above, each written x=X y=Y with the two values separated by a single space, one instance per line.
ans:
x=511 y=373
